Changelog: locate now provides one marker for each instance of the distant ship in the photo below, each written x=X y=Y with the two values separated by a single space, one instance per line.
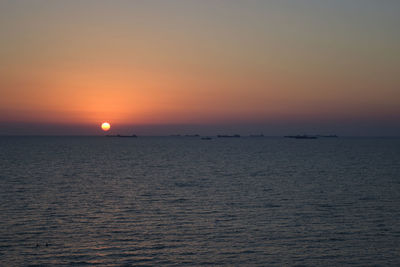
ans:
x=126 y=136
x=329 y=135
x=206 y=138
x=256 y=135
x=229 y=136
x=192 y=135
x=301 y=136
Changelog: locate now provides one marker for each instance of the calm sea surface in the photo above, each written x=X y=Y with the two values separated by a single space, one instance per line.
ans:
x=186 y=201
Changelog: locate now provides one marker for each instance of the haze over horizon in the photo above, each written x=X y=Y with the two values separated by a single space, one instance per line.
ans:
x=207 y=67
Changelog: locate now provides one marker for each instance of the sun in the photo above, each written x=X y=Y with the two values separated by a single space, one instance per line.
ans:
x=105 y=126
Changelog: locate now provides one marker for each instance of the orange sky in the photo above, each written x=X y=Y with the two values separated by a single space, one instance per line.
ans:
x=198 y=62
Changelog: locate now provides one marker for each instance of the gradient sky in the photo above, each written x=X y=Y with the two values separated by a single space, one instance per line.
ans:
x=158 y=67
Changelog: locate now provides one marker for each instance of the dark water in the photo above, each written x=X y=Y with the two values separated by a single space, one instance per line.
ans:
x=186 y=201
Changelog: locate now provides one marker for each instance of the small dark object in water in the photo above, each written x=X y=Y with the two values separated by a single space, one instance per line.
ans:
x=192 y=135
x=256 y=135
x=300 y=136
x=330 y=135
x=133 y=135
x=118 y=135
x=206 y=138
x=229 y=136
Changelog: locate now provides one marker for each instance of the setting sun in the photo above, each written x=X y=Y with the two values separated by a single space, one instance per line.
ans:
x=105 y=126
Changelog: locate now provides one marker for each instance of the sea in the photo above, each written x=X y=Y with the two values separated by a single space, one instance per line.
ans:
x=184 y=201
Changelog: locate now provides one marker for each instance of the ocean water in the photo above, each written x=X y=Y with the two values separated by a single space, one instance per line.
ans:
x=169 y=201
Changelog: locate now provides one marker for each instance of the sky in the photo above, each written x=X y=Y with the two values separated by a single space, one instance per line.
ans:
x=210 y=67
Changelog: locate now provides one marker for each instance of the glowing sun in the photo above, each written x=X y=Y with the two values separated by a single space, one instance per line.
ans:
x=105 y=126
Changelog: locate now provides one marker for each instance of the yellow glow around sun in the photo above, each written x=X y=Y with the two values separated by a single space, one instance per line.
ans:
x=105 y=126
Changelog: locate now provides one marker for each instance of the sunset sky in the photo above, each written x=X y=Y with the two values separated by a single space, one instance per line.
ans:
x=161 y=67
